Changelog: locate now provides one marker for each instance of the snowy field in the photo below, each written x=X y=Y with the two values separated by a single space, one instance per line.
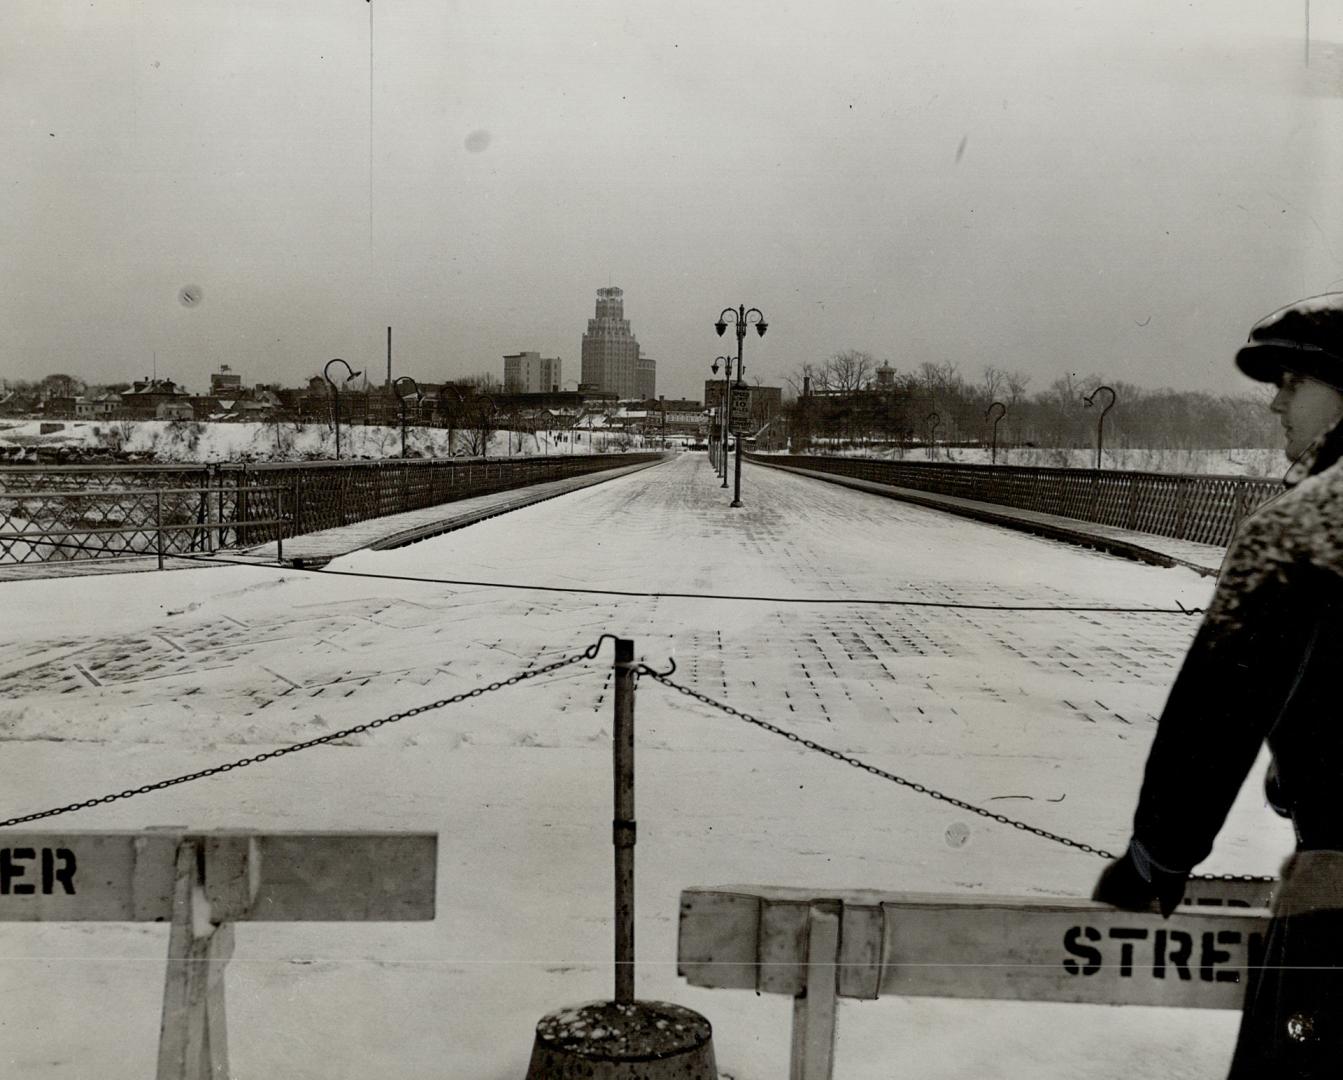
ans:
x=118 y=681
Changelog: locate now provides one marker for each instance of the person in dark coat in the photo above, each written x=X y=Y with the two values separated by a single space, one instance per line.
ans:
x=1265 y=665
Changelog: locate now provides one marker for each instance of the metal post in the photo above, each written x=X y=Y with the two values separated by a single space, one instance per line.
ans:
x=727 y=389
x=158 y=524
x=279 y=526
x=741 y=316
x=623 y=827
x=736 y=483
x=1100 y=421
x=335 y=394
x=403 y=427
x=1002 y=412
x=240 y=508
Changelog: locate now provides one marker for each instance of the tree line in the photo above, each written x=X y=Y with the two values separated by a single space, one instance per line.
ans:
x=852 y=399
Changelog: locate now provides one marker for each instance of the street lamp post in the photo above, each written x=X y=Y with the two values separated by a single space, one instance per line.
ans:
x=742 y=317
x=335 y=393
x=1100 y=420
x=721 y=435
x=933 y=421
x=396 y=383
x=1002 y=412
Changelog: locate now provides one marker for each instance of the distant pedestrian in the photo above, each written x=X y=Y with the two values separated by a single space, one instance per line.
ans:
x=1267 y=663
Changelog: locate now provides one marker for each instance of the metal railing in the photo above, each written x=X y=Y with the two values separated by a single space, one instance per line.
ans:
x=1203 y=509
x=86 y=512
x=117 y=523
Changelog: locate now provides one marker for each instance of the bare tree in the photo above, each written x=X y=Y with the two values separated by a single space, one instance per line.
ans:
x=849 y=370
x=59 y=385
x=807 y=374
x=992 y=382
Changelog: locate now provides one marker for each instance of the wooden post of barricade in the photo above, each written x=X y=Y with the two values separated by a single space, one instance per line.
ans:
x=813 y=1053
x=863 y=944
x=202 y=883
x=623 y=1038
x=193 y=1034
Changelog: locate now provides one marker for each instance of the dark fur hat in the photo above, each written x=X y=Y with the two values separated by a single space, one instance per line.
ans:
x=1305 y=338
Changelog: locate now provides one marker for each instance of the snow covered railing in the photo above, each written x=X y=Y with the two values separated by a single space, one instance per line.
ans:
x=821 y=946
x=204 y=882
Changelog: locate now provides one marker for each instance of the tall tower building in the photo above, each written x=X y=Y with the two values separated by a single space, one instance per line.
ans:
x=610 y=351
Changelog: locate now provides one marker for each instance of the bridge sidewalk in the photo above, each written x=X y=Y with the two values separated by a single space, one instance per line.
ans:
x=397 y=530
x=1205 y=559
x=318 y=548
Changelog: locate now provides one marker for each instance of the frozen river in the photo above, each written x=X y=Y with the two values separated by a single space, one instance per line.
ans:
x=117 y=681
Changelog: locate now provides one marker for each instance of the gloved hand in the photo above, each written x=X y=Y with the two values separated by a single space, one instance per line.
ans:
x=1123 y=885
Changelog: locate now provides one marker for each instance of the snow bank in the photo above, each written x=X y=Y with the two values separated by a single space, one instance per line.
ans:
x=205 y=441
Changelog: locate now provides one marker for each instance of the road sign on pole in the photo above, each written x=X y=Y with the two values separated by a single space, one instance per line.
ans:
x=739 y=420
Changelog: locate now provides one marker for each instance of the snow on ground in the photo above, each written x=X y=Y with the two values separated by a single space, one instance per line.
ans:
x=202 y=441
x=204 y=666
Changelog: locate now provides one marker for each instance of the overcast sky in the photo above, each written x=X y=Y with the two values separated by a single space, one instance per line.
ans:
x=1119 y=189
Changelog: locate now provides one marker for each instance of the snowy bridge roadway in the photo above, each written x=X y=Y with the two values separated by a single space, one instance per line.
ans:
x=114 y=682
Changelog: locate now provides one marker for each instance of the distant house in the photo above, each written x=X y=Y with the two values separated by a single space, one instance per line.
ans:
x=62 y=405
x=143 y=400
x=17 y=403
x=98 y=407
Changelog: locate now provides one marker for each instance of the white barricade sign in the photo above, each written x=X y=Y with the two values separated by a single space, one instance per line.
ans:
x=819 y=947
x=203 y=882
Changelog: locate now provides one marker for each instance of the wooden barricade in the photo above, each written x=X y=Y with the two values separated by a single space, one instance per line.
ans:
x=863 y=944
x=204 y=882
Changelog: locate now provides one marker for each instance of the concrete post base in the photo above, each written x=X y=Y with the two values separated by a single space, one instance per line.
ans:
x=638 y=1040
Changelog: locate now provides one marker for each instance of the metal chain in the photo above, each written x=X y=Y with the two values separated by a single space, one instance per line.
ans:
x=587 y=654
x=922 y=789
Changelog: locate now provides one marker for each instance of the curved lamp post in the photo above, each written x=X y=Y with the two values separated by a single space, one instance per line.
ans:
x=401 y=400
x=1002 y=412
x=721 y=437
x=741 y=315
x=933 y=421
x=335 y=393
x=1100 y=422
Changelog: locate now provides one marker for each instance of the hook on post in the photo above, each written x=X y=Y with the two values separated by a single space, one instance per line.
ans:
x=592 y=650
x=934 y=421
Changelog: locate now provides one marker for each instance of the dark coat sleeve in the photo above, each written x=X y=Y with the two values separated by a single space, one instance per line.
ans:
x=1230 y=690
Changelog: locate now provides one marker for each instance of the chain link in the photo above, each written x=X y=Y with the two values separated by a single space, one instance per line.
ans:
x=921 y=789
x=587 y=654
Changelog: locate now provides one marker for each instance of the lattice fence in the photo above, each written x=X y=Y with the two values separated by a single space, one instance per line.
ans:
x=1204 y=509
x=52 y=513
